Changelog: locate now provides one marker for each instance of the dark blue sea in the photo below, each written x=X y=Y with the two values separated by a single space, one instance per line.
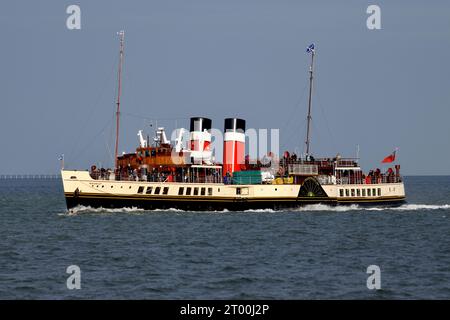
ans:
x=316 y=252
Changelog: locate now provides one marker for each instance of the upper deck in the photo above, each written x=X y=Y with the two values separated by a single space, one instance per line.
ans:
x=287 y=170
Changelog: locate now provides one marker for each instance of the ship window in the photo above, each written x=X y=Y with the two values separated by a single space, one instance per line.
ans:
x=341 y=192
x=195 y=191
x=374 y=192
x=140 y=190
x=203 y=191
x=73 y=177
x=218 y=189
x=363 y=192
x=210 y=191
x=180 y=191
x=238 y=190
x=379 y=191
x=353 y=192
x=149 y=190
x=188 y=191
x=358 y=192
x=157 y=190
x=368 y=192
x=147 y=153
x=347 y=193
x=166 y=190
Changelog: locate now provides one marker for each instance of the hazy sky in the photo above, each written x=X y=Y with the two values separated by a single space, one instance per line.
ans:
x=380 y=89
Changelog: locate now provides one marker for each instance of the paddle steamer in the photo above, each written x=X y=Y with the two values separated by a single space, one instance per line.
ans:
x=164 y=175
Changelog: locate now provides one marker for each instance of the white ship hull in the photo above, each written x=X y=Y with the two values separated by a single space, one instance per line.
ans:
x=81 y=189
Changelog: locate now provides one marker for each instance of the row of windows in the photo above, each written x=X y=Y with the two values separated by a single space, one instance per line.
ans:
x=360 y=192
x=157 y=190
x=181 y=191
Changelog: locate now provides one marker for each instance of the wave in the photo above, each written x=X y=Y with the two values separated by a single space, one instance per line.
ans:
x=308 y=208
x=133 y=210
x=325 y=207
x=414 y=207
x=355 y=207
x=88 y=209
x=262 y=210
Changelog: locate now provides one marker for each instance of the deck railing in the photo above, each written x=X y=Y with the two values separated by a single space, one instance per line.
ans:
x=370 y=180
x=156 y=178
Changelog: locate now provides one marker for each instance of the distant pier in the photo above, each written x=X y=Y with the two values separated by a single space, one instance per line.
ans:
x=29 y=176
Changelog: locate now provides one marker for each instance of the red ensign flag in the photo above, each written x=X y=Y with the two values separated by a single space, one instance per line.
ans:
x=390 y=158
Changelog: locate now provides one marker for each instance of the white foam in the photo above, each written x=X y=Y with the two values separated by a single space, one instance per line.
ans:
x=133 y=210
x=354 y=207
x=167 y=210
x=308 y=208
x=422 y=207
x=88 y=209
x=260 y=210
x=325 y=207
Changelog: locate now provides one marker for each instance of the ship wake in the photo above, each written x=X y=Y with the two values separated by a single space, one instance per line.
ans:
x=308 y=208
x=354 y=207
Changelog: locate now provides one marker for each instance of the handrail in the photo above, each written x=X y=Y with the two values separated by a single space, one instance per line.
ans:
x=155 y=178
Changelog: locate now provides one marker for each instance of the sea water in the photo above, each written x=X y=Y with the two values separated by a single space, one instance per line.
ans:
x=312 y=252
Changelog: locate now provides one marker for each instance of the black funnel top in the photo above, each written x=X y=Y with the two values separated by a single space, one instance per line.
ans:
x=200 y=124
x=234 y=124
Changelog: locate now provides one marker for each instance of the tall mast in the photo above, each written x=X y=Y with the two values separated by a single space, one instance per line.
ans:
x=119 y=91
x=312 y=51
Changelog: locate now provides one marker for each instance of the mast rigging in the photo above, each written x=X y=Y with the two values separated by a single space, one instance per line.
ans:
x=119 y=91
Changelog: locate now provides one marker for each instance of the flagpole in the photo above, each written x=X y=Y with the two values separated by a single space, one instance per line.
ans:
x=311 y=70
x=62 y=161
